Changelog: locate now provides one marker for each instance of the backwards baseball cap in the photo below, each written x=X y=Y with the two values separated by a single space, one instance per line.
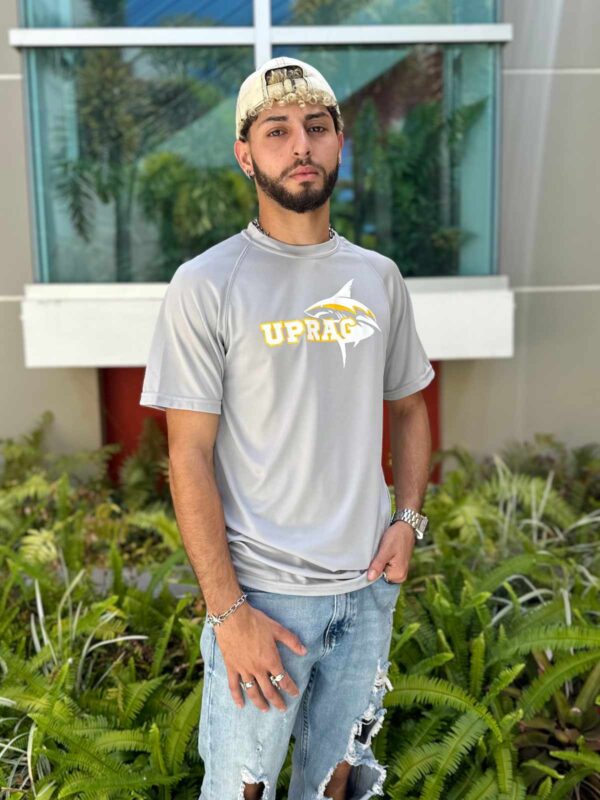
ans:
x=282 y=79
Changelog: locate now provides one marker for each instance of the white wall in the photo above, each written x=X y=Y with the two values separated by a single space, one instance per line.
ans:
x=549 y=240
x=71 y=394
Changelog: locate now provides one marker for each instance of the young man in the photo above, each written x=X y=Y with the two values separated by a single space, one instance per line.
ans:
x=272 y=353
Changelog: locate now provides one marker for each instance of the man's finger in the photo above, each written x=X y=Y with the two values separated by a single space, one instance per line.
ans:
x=289 y=639
x=377 y=566
x=272 y=694
x=254 y=693
x=396 y=578
x=286 y=683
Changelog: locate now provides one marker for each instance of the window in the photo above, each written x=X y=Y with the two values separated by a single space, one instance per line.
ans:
x=134 y=13
x=417 y=176
x=382 y=12
x=132 y=128
x=134 y=165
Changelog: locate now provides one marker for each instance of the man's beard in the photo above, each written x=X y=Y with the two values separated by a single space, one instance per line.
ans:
x=307 y=199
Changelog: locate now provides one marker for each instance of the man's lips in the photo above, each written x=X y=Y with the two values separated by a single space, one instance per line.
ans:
x=299 y=173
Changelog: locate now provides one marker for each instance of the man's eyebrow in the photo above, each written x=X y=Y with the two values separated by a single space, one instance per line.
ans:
x=284 y=118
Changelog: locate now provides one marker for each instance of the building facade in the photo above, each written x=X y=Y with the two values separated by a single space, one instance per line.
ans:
x=467 y=159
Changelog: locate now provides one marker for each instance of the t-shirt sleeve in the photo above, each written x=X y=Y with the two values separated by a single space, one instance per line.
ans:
x=186 y=361
x=407 y=368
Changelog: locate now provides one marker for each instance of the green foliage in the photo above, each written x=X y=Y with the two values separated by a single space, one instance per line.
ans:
x=399 y=183
x=85 y=691
x=26 y=458
x=508 y=592
x=143 y=474
x=495 y=652
x=576 y=472
x=134 y=112
x=193 y=208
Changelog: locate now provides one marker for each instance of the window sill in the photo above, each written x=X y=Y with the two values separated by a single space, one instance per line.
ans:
x=111 y=324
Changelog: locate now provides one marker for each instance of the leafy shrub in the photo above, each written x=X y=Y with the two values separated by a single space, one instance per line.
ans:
x=495 y=652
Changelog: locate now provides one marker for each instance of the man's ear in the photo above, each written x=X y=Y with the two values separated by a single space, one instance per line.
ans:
x=242 y=156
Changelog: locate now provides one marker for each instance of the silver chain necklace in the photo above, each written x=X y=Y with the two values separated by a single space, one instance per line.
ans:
x=262 y=230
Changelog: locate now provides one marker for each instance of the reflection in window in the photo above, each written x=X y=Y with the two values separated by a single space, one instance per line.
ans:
x=417 y=175
x=382 y=12
x=134 y=13
x=134 y=167
x=133 y=158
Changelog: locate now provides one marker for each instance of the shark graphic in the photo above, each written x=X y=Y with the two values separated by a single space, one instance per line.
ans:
x=340 y=305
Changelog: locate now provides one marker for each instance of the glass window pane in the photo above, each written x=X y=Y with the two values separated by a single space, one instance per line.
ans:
x=417 y=176
x=133 y=162
x=134 y=13
x=382 y=12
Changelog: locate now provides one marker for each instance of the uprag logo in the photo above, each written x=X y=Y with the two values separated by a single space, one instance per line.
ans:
x=338 y=318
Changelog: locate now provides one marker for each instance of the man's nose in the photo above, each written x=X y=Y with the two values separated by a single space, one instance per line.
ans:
x=301 y=143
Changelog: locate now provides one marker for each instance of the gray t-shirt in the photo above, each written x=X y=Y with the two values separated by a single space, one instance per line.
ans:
x=295 y=346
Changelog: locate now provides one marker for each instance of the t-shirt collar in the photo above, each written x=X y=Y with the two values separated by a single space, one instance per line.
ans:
x=293 y=250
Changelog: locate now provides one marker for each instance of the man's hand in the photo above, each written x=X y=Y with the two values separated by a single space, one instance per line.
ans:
x=394 y=553
x=247 y=641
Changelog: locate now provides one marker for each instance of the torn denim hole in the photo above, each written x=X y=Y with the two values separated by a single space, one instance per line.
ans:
x=371 y=777
x=248 y=777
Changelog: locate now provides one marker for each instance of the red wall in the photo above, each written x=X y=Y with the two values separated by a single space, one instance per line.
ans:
x=122 y=415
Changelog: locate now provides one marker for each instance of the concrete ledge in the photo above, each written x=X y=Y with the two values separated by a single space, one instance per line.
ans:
x=464 y=317
x=111 y=324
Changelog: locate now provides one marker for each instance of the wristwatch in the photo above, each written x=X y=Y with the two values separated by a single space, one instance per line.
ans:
x=416 y=520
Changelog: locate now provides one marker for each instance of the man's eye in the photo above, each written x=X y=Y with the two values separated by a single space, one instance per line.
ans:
x=280 y=130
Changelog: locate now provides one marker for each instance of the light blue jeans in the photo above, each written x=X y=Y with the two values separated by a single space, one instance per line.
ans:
x=341 y=680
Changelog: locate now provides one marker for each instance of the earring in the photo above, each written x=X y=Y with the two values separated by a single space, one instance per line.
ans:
x=249 y=174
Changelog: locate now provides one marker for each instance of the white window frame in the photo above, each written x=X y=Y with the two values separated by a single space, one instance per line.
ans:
x=262 y=36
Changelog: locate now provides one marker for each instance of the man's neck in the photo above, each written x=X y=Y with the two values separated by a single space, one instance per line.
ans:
x=292 y=228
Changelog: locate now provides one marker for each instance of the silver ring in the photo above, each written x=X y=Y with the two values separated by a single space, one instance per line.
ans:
x=276 y=678
x=385 y=577
x=247 y=684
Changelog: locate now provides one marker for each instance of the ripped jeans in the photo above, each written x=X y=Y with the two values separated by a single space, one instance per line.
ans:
x=341 y=680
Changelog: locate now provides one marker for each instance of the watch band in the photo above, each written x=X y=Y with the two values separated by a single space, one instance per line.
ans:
x=416 y=520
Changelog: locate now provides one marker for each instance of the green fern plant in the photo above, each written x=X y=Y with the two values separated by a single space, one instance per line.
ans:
x=494 y=652
x=94 y=726
x=445 y=755
x=144 y=475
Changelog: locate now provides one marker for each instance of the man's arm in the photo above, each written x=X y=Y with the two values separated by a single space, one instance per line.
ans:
x=247 y=637
x=410 y=444
x=198 y=505
x=410 y=440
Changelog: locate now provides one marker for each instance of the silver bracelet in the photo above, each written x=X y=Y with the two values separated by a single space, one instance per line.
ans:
x=217 y=619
